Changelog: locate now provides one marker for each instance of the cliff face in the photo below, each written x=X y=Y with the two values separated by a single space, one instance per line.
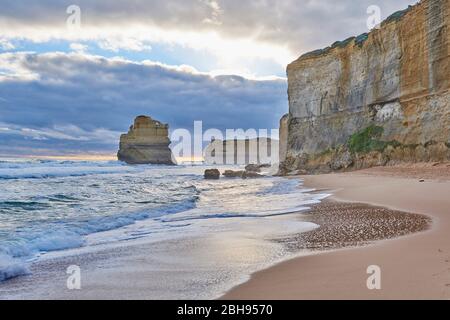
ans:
x=375 y=99
x=146 y=142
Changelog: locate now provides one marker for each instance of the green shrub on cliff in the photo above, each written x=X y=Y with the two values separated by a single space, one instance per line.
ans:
x=367 y=140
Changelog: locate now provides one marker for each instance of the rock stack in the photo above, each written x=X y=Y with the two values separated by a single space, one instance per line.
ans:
x=147 y=142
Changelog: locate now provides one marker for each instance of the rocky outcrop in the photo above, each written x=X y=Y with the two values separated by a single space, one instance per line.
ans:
x=251 y=175
x=212 y=174
x=233 y=174
x=147 y=142
x=376 y=99
x=256 y=167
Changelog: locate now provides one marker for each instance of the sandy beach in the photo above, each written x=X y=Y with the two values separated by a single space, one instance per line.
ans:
x=416 y=266
x=389 y=217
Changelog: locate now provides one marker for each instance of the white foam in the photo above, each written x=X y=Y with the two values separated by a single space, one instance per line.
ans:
x=55 y=237
x=105 y=209
x=11 y=268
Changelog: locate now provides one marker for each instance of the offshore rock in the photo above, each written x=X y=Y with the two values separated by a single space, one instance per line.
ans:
x=147 y=142
x=233 y=174
x=212 y=174
x=256 y=167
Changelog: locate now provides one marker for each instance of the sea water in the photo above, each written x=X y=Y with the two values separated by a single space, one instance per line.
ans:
x=54 y=206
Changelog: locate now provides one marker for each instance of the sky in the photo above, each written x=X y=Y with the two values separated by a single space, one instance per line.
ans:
x=74 y=74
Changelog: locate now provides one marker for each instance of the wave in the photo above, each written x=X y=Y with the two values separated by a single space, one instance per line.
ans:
x=262 y=214
x=11 y=268
x=27 y=242
x=25 y=205
x=45 y=216
x=54 y=172
x=38 y=169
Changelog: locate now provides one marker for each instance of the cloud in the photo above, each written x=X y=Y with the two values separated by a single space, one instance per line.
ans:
x=75 y=101
x=78 y=47
x=231 y=29
x=115 y=44
x=62 y=132
x=6 y=45
x=216 y=12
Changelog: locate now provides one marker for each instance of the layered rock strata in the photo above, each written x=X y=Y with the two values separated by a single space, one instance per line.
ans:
x=376 y=99
x=147 y=142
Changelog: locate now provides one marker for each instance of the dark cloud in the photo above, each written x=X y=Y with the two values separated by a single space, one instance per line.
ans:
x=298 y=24
x=76 y=101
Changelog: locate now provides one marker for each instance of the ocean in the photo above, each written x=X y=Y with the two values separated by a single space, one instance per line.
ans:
x=52 y=208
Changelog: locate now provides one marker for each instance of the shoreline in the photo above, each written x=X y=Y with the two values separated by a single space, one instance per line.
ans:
x=415 y=266
x=210 y=255
x=375 y=214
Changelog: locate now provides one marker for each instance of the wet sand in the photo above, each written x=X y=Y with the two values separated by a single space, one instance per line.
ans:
x=416 y=266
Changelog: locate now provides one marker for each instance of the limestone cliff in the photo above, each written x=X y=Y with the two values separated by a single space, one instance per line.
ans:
x=376 y=99
x=146 y=142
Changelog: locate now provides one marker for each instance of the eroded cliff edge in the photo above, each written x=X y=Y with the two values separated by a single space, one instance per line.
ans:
x=376 y=99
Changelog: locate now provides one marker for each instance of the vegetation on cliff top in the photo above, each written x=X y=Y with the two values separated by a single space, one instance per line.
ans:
x=358 y=40
x=396 y=16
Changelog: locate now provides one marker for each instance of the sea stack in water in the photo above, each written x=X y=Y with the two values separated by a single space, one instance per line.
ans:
x=147 y=142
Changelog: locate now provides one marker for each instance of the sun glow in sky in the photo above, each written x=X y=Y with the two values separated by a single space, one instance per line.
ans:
x=73 y=78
